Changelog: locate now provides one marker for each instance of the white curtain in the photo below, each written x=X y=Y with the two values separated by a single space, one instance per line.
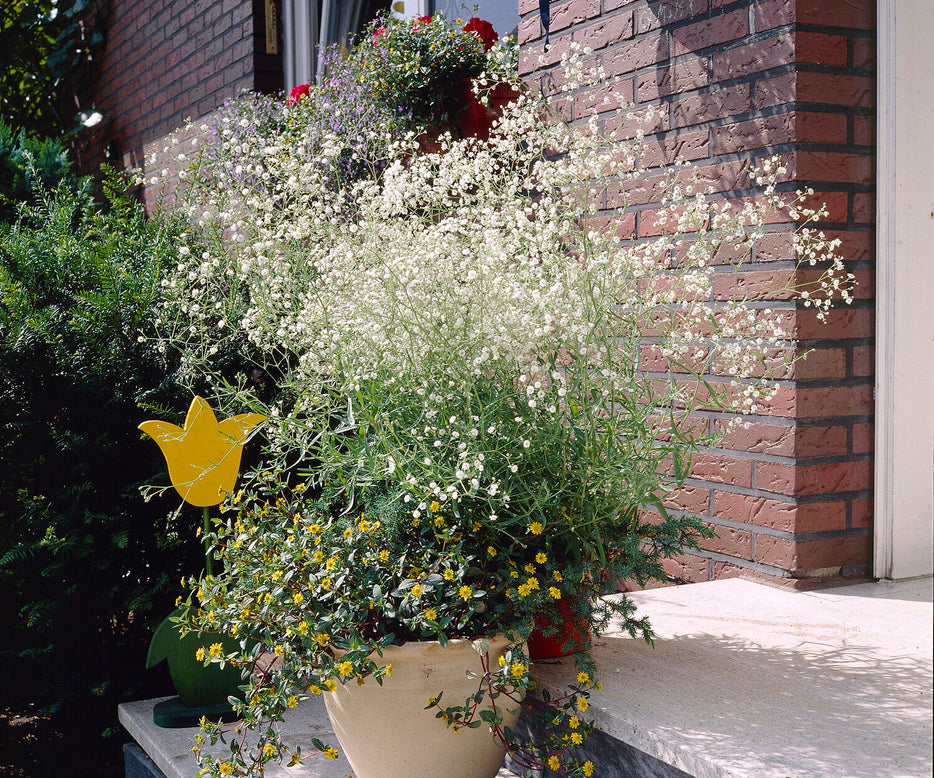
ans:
x=309 y=27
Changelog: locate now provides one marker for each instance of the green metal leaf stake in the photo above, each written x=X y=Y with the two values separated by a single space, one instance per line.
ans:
x=203 y=459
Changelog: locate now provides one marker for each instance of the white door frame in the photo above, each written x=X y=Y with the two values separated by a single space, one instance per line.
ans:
x=904 y=420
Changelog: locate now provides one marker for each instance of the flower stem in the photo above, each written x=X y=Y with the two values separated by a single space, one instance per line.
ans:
x=208 y=561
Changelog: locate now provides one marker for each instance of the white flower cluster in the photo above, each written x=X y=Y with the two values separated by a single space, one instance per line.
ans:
x=494 y=258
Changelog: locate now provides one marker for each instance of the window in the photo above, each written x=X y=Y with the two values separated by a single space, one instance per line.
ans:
x=309 y=26
x=502 y=14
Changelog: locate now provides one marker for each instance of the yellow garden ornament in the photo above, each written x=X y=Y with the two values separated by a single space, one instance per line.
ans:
x=204 y=457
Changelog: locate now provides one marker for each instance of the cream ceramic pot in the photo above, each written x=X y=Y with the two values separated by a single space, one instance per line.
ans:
x=386 y=732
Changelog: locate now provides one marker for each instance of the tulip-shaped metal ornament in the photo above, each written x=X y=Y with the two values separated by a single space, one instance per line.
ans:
x=203 y=459
x=204 y=456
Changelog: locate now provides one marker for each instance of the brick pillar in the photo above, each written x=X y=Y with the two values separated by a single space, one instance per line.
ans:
x=738 y=80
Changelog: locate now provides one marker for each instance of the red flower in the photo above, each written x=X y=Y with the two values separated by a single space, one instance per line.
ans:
x=298 y=93
x=378 y=33
x=484 y=31
x=417 y=24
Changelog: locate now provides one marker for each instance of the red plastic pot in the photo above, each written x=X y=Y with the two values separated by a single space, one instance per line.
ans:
x=475 y=120
x=573 y=635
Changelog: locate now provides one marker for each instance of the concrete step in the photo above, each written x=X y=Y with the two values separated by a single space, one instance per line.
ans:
x=752 y=681
x=745 y=681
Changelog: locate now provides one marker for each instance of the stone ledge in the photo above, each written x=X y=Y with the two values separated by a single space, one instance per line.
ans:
x=745 y=681
x=751 y=681
x=169 y=750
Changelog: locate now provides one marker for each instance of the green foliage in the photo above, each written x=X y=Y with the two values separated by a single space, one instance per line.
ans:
x=85 y=565
x=27 y=164
x=41 y=41
x=329 y=590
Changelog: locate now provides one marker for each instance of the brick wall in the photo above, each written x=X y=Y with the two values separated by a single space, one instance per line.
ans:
x=790 y=496
x=166 y=60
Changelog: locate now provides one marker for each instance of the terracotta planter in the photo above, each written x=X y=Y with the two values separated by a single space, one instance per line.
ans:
x=573 y=635
x=386 y=732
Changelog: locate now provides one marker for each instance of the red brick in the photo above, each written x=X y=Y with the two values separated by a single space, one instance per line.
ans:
x=861 y=512
x=788 y=441
x=820 y=363
x=816 y=127
x=709 y=32
x=626 y=126
x=840 y=322
x=826 y=478
x=606 y=32
x=612 y=5
x=779 y=515
x=729 y=541
x=759 y=511
x=838 y=167
x=859 y=14
x=820 y=49
x=815 y=555
x=773 y=13
x=652 y=223
x=835 y=89
x=530 y=29
x=863 y=438
x=691 y=499
x=636 y=191
x=664 y=12
x=819 y=402
x=776 y=90
x=722 y=177
x=685 y=146
x=573 y=12
x=636 y=55
x=687 y=567
x=864 y=53
x=774 y=130
x=762 y=284
x=835 y=204
x=864 y=130
x=864 y=208
x=615 y=95
x=527 y=6
x=626 y=226
x=774 y=247
x=854 y=244
x=776 y=552
x=678 y=77
x=753 y=57
x=771 y=215
x=722 y=469
x=710 y=106
x=723 y=570
x=863 y=361
x=622 y=225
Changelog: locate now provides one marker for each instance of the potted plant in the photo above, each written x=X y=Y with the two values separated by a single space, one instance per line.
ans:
x=432 y=73
x=203 y=459
x=484 y=398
